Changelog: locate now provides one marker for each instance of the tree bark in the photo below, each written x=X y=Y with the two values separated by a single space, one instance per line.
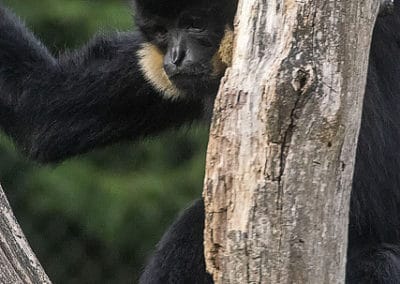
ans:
x=18 y=264
x=282 y=143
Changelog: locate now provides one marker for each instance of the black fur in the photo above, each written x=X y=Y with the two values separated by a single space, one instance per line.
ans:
x=179 y=255
x=55 y=108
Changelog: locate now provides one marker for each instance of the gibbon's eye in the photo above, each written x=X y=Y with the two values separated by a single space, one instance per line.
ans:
x=195 y=24
x=159 y=33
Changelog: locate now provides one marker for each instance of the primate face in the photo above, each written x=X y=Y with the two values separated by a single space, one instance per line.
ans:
x=188 y=44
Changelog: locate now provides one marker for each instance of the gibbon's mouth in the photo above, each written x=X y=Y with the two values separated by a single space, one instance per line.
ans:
x=185 y=76
x=196 y=85
x=186 y=79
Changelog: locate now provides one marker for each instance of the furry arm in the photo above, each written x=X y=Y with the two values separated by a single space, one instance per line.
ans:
x=55 y=108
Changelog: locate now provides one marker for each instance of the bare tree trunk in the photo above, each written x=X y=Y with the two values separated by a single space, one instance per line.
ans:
x=283 y=139
x=18 y=264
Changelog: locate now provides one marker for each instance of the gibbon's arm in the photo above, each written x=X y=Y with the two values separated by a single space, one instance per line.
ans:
x=55 y=108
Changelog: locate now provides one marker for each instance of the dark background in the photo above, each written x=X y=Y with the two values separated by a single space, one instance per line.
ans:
x=95 y=218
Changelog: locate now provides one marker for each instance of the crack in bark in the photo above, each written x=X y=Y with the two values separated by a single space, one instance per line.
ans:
x=283 y=153
x=301 y=79
x=300 y=86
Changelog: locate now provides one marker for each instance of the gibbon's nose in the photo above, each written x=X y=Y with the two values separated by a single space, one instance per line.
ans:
x=177 y=55
x=174 y=59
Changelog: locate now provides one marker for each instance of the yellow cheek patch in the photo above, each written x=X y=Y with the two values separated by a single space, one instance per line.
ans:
x=151 y=61
x=223 y=57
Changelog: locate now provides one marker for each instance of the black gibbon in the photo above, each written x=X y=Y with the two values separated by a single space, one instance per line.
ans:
x=165 y=73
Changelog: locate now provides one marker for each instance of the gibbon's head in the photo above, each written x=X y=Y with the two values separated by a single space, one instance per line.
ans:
x=188 y=44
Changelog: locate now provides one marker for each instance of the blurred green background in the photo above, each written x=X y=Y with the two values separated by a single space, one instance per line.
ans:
x=96 y=218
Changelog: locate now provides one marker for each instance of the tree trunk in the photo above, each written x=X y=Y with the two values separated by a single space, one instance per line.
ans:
x=283 y=139
x=18 y=264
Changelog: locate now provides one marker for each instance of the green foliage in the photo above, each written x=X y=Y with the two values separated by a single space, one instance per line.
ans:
x=95 y=218
x=68 y=23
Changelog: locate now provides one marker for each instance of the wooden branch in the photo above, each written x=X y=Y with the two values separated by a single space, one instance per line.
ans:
x=18 y=264
x=283 y=139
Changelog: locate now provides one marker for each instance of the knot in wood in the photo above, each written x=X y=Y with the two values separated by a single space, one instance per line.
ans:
x=302 y=79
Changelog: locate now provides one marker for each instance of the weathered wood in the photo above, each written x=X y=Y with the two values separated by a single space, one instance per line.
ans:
x=18 y=264
x=282 y=144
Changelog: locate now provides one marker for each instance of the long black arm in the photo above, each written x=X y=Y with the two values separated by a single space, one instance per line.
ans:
x=55 y=108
